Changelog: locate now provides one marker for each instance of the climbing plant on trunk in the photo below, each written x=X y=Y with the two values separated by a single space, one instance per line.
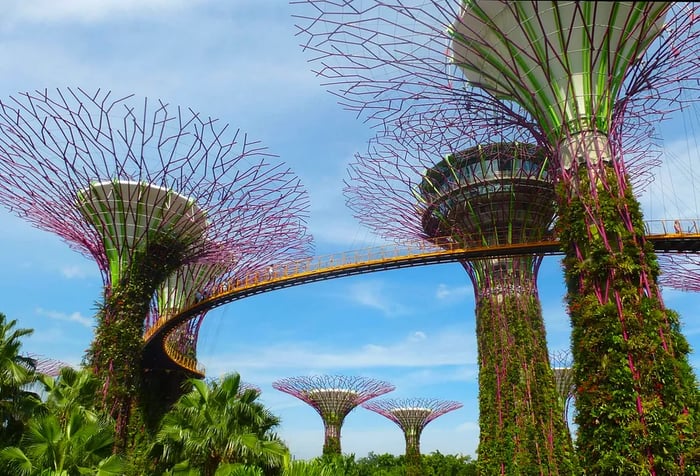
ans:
x=637 y=399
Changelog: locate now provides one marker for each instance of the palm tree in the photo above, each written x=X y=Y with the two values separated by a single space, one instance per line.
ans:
x=66 y=436
x=219 y=424
x=72 y=391
x=78 y=446
x=17 y=372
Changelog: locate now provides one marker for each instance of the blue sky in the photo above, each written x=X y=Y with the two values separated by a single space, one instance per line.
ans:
x=239 y=61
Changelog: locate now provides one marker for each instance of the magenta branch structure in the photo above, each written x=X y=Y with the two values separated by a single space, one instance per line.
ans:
x=333 y=397
x=412 y=415
x=145 y=188
x=582 y=78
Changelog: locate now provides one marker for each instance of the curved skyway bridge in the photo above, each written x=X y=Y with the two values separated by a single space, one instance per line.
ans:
x=667 y=236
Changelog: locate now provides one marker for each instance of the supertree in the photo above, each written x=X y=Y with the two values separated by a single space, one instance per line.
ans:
x=577 y=75
x=567 y=64
x=333 y=397
x=412 y=415
x=496 y=193
x=143 y=188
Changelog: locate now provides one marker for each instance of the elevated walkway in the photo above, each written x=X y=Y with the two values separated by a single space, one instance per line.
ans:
x=667 y=236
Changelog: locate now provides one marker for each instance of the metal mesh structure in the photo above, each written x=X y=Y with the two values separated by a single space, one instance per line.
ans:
x=412 y=415
x=333 y=397
x=144 y=188
x=189 y=284
x=100 y=172
x=584 y=79
x=388 y=61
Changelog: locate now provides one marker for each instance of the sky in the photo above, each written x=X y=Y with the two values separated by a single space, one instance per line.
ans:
x=239 y=61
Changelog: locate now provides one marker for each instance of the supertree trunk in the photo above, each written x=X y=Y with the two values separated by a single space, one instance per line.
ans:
x=116 y=350
x=520 y=415
x=636 y=396
x=331 y=436
x=414 y=462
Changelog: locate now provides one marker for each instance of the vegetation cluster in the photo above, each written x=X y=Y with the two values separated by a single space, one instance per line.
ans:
x=636 y=398
x=57 y=426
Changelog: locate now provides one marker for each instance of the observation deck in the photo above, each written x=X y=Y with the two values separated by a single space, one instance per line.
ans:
x=490 y=194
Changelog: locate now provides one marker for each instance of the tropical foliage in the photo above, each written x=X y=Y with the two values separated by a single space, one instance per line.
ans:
x=216 y=424
x=16 y=373
x=520 y=413
x=65 y=435
x=434 y=464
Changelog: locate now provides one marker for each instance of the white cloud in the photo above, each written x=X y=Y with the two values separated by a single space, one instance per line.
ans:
x=74 y=271
x=452 y=293
x=447 y=347
x=374 y=295
x=61 y=316
x=417 y=336
x=89 y=10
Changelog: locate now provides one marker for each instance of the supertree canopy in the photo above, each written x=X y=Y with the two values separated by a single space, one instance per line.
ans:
x=581 y=77
x=333 y=397
x=412 y=415
x=497 y=193
x=143 y=188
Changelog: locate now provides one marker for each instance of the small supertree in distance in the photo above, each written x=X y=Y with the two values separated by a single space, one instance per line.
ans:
x=143 y=188
x=412 y=415
x=578 y=75
x=480 y=195
x=333 y=397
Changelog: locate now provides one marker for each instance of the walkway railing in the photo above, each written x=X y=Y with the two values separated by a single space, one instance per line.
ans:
x=686 y=226
x=185 y=361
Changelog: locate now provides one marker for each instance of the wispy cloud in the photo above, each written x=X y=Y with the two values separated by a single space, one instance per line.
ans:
x=452 y=293
x=62 y=316
x=89 y=10
x=449 y=346
x=374 y=295
x=75 y=271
